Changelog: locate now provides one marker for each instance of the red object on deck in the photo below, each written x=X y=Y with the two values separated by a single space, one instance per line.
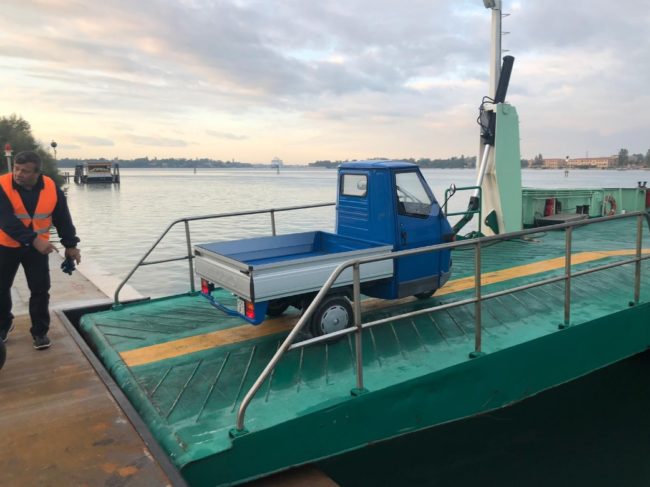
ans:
x=549 y=207
x=647 y=198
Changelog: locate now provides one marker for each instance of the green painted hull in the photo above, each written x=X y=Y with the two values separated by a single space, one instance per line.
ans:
x=474 y=387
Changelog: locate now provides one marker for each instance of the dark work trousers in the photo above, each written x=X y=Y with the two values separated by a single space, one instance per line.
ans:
x=37 y=272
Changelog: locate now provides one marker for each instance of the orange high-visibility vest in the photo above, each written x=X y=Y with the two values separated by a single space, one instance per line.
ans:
x=42 y=219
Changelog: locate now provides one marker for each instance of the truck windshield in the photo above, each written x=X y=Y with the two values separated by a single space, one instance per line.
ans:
x=412 y=197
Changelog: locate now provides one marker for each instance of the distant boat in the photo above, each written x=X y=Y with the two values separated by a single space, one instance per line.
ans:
x=97 y=172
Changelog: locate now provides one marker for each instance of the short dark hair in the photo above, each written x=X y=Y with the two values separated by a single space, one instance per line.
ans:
x=29 y=156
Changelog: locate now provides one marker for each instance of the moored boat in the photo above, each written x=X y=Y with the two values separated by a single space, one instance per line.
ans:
x=97 y=173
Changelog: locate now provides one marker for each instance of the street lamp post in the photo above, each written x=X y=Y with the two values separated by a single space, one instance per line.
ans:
x=8 y=152
x=54 y=145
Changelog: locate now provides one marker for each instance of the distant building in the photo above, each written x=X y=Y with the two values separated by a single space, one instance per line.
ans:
x=554 y=163
x=582 y=162
x=598 y=162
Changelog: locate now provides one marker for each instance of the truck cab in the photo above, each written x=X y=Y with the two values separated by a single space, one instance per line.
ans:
x=390 y=202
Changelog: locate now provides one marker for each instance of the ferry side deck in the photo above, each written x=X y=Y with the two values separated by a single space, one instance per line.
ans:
x=185 y=367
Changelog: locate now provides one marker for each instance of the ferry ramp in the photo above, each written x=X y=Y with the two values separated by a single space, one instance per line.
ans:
x=186 y=367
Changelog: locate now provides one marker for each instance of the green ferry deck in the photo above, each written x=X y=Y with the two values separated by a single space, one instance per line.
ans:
x=186 y=367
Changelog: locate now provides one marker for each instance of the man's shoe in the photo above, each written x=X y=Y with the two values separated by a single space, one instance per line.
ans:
x=41 y=343
x=4 y=335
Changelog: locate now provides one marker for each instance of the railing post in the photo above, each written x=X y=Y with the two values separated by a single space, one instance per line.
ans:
x=637 y=269
x=356 y=294
x=567 y=277
x=477 y=304
x=239 y=429
x=273 y=222
x=188 y=240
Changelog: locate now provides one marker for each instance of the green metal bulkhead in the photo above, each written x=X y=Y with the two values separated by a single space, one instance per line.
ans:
x=502 y=183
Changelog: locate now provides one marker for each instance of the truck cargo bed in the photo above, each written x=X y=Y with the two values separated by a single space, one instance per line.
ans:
x=264 y=268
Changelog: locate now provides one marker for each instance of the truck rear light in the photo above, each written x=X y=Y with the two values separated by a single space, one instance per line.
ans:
x=249 y=310
x=206 y=287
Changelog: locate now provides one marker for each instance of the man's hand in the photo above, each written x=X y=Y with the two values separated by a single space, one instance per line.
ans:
x=73 y=253
x=43 y=246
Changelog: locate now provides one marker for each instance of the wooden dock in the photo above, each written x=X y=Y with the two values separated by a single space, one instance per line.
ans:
x=60 y=424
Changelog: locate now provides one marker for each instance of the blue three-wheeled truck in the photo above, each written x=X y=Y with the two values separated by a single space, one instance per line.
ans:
x=382 y=207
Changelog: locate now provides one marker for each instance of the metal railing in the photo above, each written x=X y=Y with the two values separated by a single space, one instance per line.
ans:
x=478 y=298
x=188 y=240
x=450 y=192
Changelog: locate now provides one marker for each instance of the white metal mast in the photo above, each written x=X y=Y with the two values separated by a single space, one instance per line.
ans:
x=495 y=44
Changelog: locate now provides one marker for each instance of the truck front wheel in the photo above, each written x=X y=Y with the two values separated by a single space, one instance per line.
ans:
x=334 y=314
x=425 y=295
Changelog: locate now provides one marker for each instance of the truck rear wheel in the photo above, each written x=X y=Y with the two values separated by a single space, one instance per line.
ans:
x=334 y=314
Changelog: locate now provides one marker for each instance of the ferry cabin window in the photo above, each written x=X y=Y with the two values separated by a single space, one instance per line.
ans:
x=412 y=197
x=354 y=185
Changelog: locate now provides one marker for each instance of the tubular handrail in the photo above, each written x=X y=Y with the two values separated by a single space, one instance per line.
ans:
x=186 y=221
x=477 y=243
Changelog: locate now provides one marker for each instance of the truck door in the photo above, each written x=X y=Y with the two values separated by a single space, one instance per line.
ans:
x=418 y=225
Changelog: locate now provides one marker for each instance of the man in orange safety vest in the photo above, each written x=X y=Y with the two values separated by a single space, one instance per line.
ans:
x=30 y=203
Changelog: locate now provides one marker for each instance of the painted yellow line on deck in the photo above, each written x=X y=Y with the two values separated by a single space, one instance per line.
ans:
x=530 y=269
x=185 y=346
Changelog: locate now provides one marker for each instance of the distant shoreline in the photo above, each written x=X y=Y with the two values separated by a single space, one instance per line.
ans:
x=303 y=166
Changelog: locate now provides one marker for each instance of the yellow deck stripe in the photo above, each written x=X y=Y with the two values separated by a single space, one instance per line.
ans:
x=184 y=346
x=530 y=269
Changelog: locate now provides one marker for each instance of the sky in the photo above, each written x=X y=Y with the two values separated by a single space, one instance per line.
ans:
x=303 y=81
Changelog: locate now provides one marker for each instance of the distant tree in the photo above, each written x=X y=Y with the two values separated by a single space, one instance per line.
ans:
x=623 y=157
x=647 y=158
x=327 y=164
x=16 y=131
x=637 y=159
x=524 y=162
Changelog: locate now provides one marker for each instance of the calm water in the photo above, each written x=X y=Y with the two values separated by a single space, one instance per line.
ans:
x=117 y=224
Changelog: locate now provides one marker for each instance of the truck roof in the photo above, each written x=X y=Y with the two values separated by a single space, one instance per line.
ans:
x=376 y=165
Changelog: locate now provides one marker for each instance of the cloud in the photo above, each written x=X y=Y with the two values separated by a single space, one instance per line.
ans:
x=69 y=147
x=225 y=135
x=156 y=141
x=293 y=68
x=95 y=141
